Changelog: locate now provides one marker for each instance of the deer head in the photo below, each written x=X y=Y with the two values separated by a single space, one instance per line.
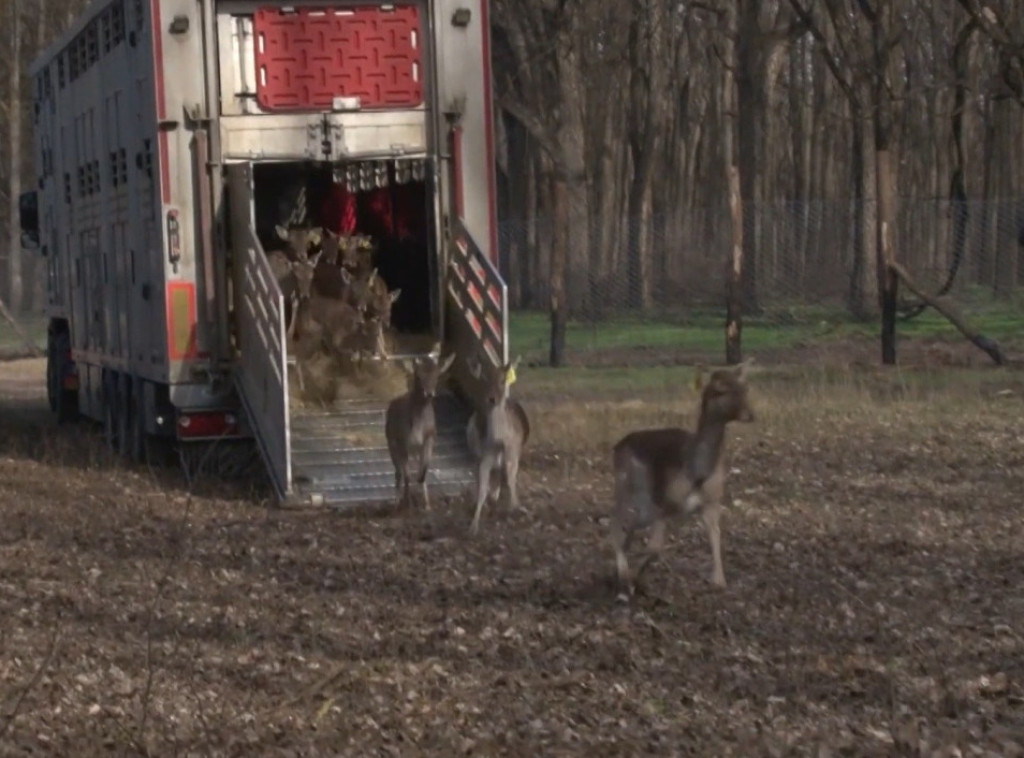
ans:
x=725 y=396
x=425 y=374
x=301 y=241
x=498 y=382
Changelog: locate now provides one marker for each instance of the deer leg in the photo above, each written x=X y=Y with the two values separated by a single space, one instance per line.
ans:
x=655 y=544
x=711 y=514
x=511 y=472
x=398 y=486
x=620 y=537
x=405 y=483
x=294 y=307
x=298 y=374
x=483 y=477
x=426 y=454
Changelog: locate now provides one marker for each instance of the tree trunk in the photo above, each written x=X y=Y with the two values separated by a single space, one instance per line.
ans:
x=751 y=113
x=559 y=251
x=734 y=293
x=734 y=275
x=571 y=104
x=645 y=94
x=888 y=280
x=15 y=285
x=862 y=300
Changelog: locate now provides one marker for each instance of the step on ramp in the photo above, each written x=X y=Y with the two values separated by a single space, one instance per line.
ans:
x=340 y=457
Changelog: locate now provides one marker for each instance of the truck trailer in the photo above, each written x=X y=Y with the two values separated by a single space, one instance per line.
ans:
x=173 y=137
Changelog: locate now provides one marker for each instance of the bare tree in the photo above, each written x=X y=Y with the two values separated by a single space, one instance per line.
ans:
x=545 y=94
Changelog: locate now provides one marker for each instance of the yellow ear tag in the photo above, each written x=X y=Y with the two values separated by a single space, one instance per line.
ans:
x=510 y=377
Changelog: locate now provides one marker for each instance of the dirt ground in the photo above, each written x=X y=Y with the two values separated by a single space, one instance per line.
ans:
x=874 y=608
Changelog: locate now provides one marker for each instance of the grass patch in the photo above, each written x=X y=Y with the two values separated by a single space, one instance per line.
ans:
x=777 y=329
x=34 y=325
x=583 y=411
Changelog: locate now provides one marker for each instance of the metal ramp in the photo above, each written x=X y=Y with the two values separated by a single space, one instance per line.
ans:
x=340 y=457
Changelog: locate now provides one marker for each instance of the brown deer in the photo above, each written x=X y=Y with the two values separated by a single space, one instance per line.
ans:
x=410 y=425
x=321 y=321
x=660 y=473
x=285 y=264
x=496 y=437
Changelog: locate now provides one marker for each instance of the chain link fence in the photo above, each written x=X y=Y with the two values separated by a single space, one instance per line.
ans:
x=662 y=283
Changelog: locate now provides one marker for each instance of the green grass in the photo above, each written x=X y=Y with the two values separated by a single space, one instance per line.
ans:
x=778 y=328
x=651 y=382
x=33 y=325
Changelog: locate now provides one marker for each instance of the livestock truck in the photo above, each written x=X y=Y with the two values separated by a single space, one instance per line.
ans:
x=172 y=138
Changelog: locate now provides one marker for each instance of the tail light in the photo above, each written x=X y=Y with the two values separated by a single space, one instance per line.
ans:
x=207 y=424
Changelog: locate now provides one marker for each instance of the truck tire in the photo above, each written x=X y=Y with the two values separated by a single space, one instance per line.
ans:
x=124 y=417
x=66 y=400
x=110 y=414
x=138 y=449
x=52 y=377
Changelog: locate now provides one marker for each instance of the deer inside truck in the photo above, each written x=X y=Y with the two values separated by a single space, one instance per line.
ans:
x=182 y=147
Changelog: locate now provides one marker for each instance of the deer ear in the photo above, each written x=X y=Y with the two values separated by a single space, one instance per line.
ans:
x=447 y=364
x=743 y=368
x=698 y=378
x=394 y=294
x=328 y=234
x=281 y=232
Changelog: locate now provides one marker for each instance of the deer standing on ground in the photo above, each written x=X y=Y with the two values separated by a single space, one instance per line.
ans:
x=496 y=438
x=660 y=473
x=411 y=427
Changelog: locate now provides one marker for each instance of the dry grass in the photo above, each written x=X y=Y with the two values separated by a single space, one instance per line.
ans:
x=328 y=384
x=872 y=546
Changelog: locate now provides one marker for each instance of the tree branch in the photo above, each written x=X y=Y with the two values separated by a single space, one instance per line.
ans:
x=534 y=125
x=950 y=311
x=826 y=52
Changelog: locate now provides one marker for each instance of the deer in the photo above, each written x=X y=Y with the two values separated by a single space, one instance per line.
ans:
x=496 y=436
x=354 y=253
x=322 y=320
x=410 y=425
x=661 y=473
x=285 y=265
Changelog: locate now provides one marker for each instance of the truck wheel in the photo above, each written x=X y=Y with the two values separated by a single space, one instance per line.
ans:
x=110 y=411
x=138 y=450
x=66 y=400
x=52 y=377
x=124 y=418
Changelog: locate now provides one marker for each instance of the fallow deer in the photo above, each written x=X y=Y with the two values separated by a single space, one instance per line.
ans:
x=496 y=435
x=354 y=253
x=662 y=473
x=410 y=425
x=286 y=265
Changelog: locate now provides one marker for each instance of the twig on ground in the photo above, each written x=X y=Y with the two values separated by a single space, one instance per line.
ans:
x=33 y=682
